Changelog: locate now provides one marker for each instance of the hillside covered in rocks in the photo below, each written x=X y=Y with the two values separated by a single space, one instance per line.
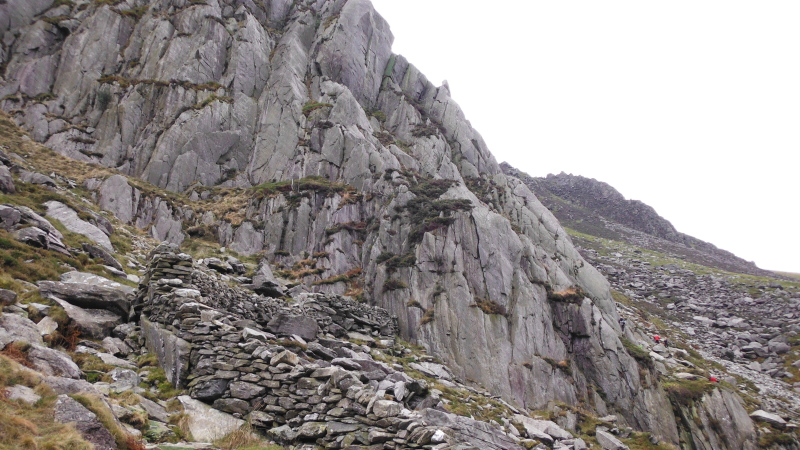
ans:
x=253 y=215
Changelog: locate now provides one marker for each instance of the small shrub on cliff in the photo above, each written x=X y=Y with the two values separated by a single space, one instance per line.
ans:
x=490 y=306
x=685 y=392
x=312 y=106
x=393 y=285
x=427 y=317
x=570 y=295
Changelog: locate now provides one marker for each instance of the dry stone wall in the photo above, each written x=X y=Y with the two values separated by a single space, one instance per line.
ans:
x=283 y=367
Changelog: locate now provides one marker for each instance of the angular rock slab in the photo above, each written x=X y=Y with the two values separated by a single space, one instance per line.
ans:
x=480 y=434
x=94 y=323
x=88 y=290
x=17 y=328
x=772 y=419
x=206 y=423
x=172 y=351
x=69 y=218
x=289 y=324
x=53 y=362
x=608 y=441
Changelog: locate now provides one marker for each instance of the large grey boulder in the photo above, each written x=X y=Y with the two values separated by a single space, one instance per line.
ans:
x=22 y=393
x=7 y=297
x=205 y=423
x=37 y=237
x=88 y=290
x=86 y=422
x=62 y=385
x=93 y=323
x=69 y=218
x=52 y=362
x=265 y=283
x=480 y=434
x=289 y=324
x=6 y=181
x=98 y=252
x=15 y=328
x=608 y=441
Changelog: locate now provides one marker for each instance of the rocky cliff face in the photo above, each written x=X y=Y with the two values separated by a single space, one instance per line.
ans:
x=596 y=208
x=296 y=134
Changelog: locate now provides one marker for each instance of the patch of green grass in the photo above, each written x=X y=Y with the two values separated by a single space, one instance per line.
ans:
x=393 y=285
x=637 y=352
x=686 y=392
x=157 y=378
x=394 y=262
x=312 y=106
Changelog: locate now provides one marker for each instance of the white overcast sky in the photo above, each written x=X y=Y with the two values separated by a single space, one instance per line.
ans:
x=692 y=107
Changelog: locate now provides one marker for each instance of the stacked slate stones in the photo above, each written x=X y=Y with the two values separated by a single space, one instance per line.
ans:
x=286 y=369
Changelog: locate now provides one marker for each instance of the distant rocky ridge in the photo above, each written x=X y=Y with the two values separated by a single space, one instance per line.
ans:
x=596 y=208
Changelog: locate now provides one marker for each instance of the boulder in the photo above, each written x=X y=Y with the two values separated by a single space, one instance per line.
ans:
x=88 y=290
x=47 y=326
x=7 y=297
x=86 y=422
x=61 y=385
x=6 y=181
x=772 y=419
x=124 y=379
x=210 y=390
x=69 y=218
x=15 y=328
x=205 y=423
x=53 y=362
x=21 y=393
x=36 y=178
x=608 y=441
x=265 y=283
x=480 y=434
x=289 y=324
x=93 y=323
x=98 y=252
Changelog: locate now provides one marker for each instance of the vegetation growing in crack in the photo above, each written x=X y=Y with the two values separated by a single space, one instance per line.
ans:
x=490 y=306
x=426 y=213
x=296 y=190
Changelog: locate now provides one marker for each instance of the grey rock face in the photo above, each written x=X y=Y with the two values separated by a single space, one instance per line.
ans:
x=325 y=96
x=172 y=351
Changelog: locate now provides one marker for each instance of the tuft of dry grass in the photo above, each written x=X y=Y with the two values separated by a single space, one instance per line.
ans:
x=98 y=406
x=32 y=426
x=244 y=438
